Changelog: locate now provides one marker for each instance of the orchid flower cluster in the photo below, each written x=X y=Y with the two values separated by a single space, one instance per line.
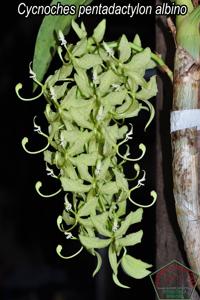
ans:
x=98 y=86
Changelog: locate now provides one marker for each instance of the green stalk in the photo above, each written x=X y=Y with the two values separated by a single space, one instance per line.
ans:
x=155 y=57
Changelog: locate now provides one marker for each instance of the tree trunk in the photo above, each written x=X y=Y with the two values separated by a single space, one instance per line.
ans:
x=186 y=156
x=166 y=224
x=169 y=242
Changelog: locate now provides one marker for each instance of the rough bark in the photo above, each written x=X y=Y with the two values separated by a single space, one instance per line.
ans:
x=166 y=227
x=186 y=157
x=169 y=244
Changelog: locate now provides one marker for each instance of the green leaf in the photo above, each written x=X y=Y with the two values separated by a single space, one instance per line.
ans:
x=112 y=258
x=68 y=136
x=124 y=49
x=90 y=231
x=130 y=239
x=93 y=242
x=111 y=134
x=88 y=61
x=92 y=145
x=99 y=31
x=135 y=268
x=48 y=156
x=125 y=106
x=100 y=227
x=68 y=100
x=139 y=61
x=60 y=90
x=67 y=218
x=152 y=113
x=86 y=159
x=149 y=91
x=137 y=76
x=76 y=148
x=80 y=48
x=132 y=218
x=137 y=41
x=88 y=207
x=104 y=55
x=58 y=159
x=102 y=218
x=118 y=283
x=59 y=75
x=122 y=131
x=49 y=114
x=83 y=83
x=106 y=80
x=122 y=206
x=87 y=223
x=99 y=263
x=46 y=44
x=110 y=188
x=80 y=31
x=75 y=186
x=114 y=98
x=105 y=164
x=53 y=129
x=151 y=64
x=69 y=170
x=78 y=140
x=64 y=71
x=121 y=181
x=83 y=172
x=81 y=116
x=131 y=112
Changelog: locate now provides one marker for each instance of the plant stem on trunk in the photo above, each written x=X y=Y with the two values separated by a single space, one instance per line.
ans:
x=186 y=142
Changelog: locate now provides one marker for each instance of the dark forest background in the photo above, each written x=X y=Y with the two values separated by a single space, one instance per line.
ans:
x=29 y=266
